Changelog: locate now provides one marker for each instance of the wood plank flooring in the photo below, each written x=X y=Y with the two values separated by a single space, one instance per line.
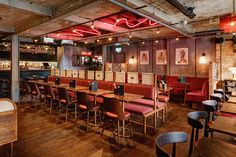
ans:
x=44 y=135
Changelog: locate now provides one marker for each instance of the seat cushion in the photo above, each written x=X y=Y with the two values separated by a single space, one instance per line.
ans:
x=98 y=99
x=148 y=103
x=137 y=109
x=113 y=115
x=195 y=96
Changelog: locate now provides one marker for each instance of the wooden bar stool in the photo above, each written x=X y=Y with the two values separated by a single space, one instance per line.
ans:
x=64 y=99
x=87 y=106
x=25 y=90
x=113 y=110
x=35 y=94
x=50 y=97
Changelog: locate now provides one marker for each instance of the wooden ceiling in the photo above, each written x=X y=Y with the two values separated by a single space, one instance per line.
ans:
x=66 y=13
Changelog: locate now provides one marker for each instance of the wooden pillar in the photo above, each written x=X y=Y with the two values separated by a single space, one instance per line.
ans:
x=15 y=74
x=104 y=57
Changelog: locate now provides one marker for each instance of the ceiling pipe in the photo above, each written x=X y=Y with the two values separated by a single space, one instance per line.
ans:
x=151 y=18
x=187 y=11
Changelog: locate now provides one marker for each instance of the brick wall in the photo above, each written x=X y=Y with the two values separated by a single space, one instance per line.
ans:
x=228 y=58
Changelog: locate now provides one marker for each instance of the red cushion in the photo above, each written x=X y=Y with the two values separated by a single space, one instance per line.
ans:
x=51 y=78
x=113 y=115
x=195 y=96
x=145 y=90
x=98 y=99
x=106 y=85
x=137 y=109
x=149 y=103
x=65 y=80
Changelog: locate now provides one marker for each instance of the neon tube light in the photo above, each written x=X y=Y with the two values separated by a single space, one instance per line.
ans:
x=135 y=25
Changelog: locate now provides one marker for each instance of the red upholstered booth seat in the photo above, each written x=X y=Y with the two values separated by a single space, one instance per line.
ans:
x=178 y=88
x=82 y=82
x=106 y=85
x=147 y=91
x=52 y=78
x=198 y=95
x=149 y=103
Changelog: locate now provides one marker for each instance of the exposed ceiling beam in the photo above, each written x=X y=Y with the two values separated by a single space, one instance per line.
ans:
x=156 y=15
x=31 y=7
x=59 y=13
x=7 y=29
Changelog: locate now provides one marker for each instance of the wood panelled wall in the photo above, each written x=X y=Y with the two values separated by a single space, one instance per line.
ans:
x=195 y=49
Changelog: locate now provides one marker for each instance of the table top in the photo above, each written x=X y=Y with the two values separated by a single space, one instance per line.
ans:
x=228 y=108
x=232 y=99
x=77 y=88
x=225 y=125
x=62 y=85
x=41 y=82
x=98 y=92
x=214 y=148
x=233 y=94
x=165 y=90
x=126 y=97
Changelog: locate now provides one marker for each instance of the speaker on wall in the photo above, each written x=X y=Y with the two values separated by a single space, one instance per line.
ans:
x=219 y=40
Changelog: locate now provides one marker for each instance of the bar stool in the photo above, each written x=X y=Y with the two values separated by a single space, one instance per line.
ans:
x=64 y=99
x=194 y=121
x=210 y=107
x=222 y=92
x=87 y=106
x=113 y=110
x=25 y=90
x=219 y=98
x=169 y=138
x=35 y=93
x=49 y=96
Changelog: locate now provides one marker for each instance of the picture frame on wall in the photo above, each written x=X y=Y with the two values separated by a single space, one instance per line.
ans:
x=144 y=58
x=181 y=56
x=161 y=57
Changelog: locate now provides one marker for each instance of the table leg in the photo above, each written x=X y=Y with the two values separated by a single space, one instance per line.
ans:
x=123 y=122
x=95 y=119
x=185 y=94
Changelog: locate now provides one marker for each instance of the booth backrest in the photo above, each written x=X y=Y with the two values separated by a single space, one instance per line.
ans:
x=82 y=82
x=106 y=85
x=52 y=78
x=146 y=90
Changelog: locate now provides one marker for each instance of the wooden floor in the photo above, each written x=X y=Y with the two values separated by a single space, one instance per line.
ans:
x=42 y=135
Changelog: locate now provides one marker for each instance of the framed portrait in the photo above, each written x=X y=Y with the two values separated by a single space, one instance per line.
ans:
x=161 y=58
x=181 y=56
x=144 y=57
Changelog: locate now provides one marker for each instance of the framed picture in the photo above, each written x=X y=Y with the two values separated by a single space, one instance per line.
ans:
x=144 y=57
x=161 y=58
x=181 y=56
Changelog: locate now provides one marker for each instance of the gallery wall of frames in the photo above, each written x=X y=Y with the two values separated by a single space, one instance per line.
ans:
x=177 y=56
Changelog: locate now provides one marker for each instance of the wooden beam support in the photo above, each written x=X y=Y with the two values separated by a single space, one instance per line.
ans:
x=31 y=7
x=7 y=29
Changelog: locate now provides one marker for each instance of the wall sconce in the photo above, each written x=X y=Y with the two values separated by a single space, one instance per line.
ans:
x=233 y=71
x=132 y=60
x=202 y=59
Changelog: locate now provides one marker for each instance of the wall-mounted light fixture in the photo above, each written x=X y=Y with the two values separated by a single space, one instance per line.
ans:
x=233 y=71
x=202 y=59
x=132 y=60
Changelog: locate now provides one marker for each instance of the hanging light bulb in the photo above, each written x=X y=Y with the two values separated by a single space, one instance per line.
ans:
x=143 y=42
x=58 y=34
x=156 y=41
x=177 y=39
x=130 y=35
x=110 y=38
x=36 y=40
x=158 y=30
x=202 y=59
x=92 y=25
x=74 y=30
x=132 y=60
x=86 y=42
x=98 y=40
x=28 y=47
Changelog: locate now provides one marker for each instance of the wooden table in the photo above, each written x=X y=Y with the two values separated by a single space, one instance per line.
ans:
x=233 y=94
x=41 y=82
x=214 y=148
x=232 y=99
x=228 y=108
x=225 y=125
x=77 y=88
x=98 y=92
x=186 y=85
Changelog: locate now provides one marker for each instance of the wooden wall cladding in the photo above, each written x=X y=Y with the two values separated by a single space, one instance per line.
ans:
x=182 y=70
x=195 y=49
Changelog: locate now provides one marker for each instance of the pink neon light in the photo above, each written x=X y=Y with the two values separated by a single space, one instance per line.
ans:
x=96 y=32
x=132 y=26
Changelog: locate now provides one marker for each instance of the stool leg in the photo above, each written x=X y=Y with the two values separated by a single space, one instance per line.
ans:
x=118 y=132
x=12 y=149
x=87 y=121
